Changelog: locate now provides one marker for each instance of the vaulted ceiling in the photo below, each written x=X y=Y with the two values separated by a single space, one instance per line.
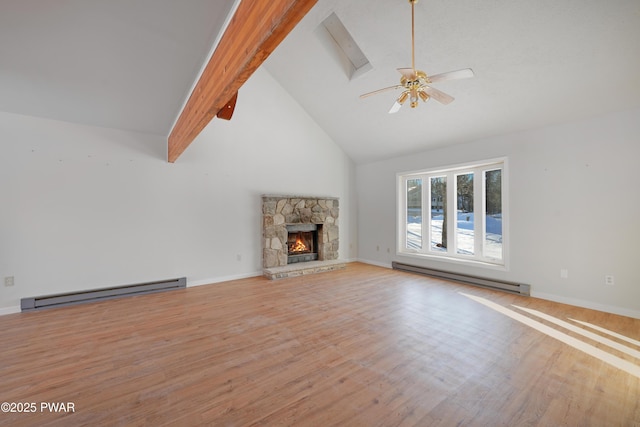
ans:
x=131 y=64
x=126 y=64
x=536 y=63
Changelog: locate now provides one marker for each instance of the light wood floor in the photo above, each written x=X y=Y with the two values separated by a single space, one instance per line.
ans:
x=365 y=346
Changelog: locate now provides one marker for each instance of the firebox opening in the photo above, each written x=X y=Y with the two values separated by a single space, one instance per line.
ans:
x=302 y=243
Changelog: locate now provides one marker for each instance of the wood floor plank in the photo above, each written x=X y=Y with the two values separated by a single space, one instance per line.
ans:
x=363 y=346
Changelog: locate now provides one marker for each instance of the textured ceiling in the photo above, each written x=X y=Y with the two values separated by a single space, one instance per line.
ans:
x=130 y=64
x=126 y=64
x=536 y=63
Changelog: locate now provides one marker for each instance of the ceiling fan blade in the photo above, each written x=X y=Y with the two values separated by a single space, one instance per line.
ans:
x=395 y=107
x=452 y=75
x=399 y=102
x=375 y=92
x=438 y=95
x=409 y=73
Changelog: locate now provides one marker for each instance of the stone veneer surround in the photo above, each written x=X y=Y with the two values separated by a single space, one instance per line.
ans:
x=280 y=211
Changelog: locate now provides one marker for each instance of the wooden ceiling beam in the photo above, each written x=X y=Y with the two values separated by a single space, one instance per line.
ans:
x=255 y=30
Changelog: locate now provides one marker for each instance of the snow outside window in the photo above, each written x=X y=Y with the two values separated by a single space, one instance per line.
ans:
x=456 y=213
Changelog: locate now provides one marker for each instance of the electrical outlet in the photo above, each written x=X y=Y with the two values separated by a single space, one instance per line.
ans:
x=9 y=281
x=609 y=280
x=239 y=257
x=564 y=273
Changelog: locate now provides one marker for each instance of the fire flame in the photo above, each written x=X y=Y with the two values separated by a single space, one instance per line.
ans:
x=299 y=246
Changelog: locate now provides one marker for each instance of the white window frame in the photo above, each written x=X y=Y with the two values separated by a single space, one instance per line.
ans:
x=451 y=255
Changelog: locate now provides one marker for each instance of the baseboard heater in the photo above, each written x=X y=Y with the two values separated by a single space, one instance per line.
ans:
x=514 y=288
x=72 y=298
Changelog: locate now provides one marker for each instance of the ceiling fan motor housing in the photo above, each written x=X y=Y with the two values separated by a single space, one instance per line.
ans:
x=414 y=88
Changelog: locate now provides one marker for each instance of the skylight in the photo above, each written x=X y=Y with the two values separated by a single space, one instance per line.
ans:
x=347 y=46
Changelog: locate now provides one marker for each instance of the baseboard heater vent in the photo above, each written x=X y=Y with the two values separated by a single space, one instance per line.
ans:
x=72 y=298
x=514 y=288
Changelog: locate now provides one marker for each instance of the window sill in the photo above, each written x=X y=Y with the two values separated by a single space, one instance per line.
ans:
x=452 y=260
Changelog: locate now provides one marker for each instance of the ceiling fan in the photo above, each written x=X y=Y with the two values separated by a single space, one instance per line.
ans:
x=416 y=82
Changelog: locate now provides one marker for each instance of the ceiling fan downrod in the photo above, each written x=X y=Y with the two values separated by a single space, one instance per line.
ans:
x=413 y=37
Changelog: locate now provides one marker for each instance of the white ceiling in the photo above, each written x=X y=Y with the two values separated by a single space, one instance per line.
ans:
x=126 y=64
x=537 y=62
x=130 y=64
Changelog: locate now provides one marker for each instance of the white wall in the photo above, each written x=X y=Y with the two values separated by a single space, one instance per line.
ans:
x=85 y=207
x=574 y=204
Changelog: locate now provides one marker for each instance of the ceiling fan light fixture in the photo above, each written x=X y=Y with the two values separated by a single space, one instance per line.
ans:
x=424 y=96
x=414 y=99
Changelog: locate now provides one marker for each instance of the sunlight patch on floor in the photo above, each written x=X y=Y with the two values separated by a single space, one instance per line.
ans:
x=589 y=349
x=608 y=332
x=606 y=341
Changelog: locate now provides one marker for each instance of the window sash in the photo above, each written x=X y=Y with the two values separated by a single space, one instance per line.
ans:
x=480 y=249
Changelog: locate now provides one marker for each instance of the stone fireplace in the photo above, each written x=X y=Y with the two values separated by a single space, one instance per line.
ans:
x=300 y=235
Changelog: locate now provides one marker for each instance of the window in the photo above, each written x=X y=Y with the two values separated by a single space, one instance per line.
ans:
x=457 y=213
